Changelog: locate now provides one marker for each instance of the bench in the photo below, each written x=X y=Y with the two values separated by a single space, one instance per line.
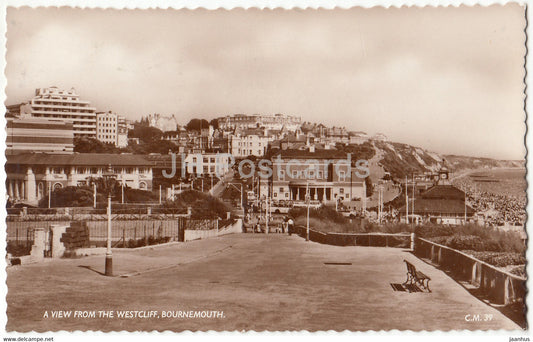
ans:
x=416 y=277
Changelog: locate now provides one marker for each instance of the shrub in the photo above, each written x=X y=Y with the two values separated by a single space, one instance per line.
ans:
x=72 y=196
x=327 y=226
x=18 y=249
x=464 y=242
x=323 y=213
x=430 y=231
x=519 y=271
x=136 y=195
x=498 y=259
x=202 y=205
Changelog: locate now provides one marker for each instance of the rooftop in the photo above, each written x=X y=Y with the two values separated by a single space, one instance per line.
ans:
x=306 y=154
x=78 y=159
x=424 y=206
x=444 y=192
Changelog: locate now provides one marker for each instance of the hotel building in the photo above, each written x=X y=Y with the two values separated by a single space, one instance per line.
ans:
x=62 y=105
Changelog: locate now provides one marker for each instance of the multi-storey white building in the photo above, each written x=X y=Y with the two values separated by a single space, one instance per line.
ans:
x=216 y=164
x=248 y=145
x=55 y=104
x=122 y=132
x=111 y=129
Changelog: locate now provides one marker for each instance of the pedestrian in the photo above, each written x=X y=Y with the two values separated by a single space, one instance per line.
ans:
x=284 y=224
x=290 y=226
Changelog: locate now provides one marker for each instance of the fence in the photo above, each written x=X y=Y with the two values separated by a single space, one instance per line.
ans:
x=499 y=286
x=400 y=240
x=122 y=230
x=134 y=230
x=118 y=208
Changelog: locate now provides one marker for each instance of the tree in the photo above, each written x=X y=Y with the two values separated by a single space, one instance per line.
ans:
x=146 y=134
x=71 y=196
x=91 y=145
x=197 y=124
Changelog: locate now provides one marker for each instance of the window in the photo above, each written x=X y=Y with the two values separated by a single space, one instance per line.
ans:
x=294 y=174
x=281 y=174
x=320 y=174
x=342 y=176
x=281 y=190
x=275 y=194
x=341 y=190
x=311 y=174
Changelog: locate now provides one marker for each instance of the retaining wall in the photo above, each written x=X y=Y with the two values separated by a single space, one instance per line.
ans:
x=499 y=286
x=203 y=234
x=401 y=240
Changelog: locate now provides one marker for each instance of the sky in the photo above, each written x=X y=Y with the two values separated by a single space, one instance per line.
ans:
x=449 y=80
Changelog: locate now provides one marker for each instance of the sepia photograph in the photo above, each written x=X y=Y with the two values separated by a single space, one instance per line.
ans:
x=349 y=169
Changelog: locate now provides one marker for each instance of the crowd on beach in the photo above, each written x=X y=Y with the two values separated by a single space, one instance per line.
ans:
x=499 y=209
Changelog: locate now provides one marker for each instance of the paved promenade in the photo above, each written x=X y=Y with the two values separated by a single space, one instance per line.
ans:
x=273 y=282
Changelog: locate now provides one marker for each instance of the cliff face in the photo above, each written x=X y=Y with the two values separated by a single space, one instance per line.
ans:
x=402 y=160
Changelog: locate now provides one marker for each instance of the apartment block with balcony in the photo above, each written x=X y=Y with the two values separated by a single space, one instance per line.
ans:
x=65 y=105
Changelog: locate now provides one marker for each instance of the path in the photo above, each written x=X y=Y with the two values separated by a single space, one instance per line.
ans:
x=272 y=282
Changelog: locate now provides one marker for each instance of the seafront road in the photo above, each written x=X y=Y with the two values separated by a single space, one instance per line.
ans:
x=259 y=282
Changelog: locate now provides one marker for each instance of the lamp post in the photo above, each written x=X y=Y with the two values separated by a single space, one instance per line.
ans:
x=109 y=177
x=109 y=254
